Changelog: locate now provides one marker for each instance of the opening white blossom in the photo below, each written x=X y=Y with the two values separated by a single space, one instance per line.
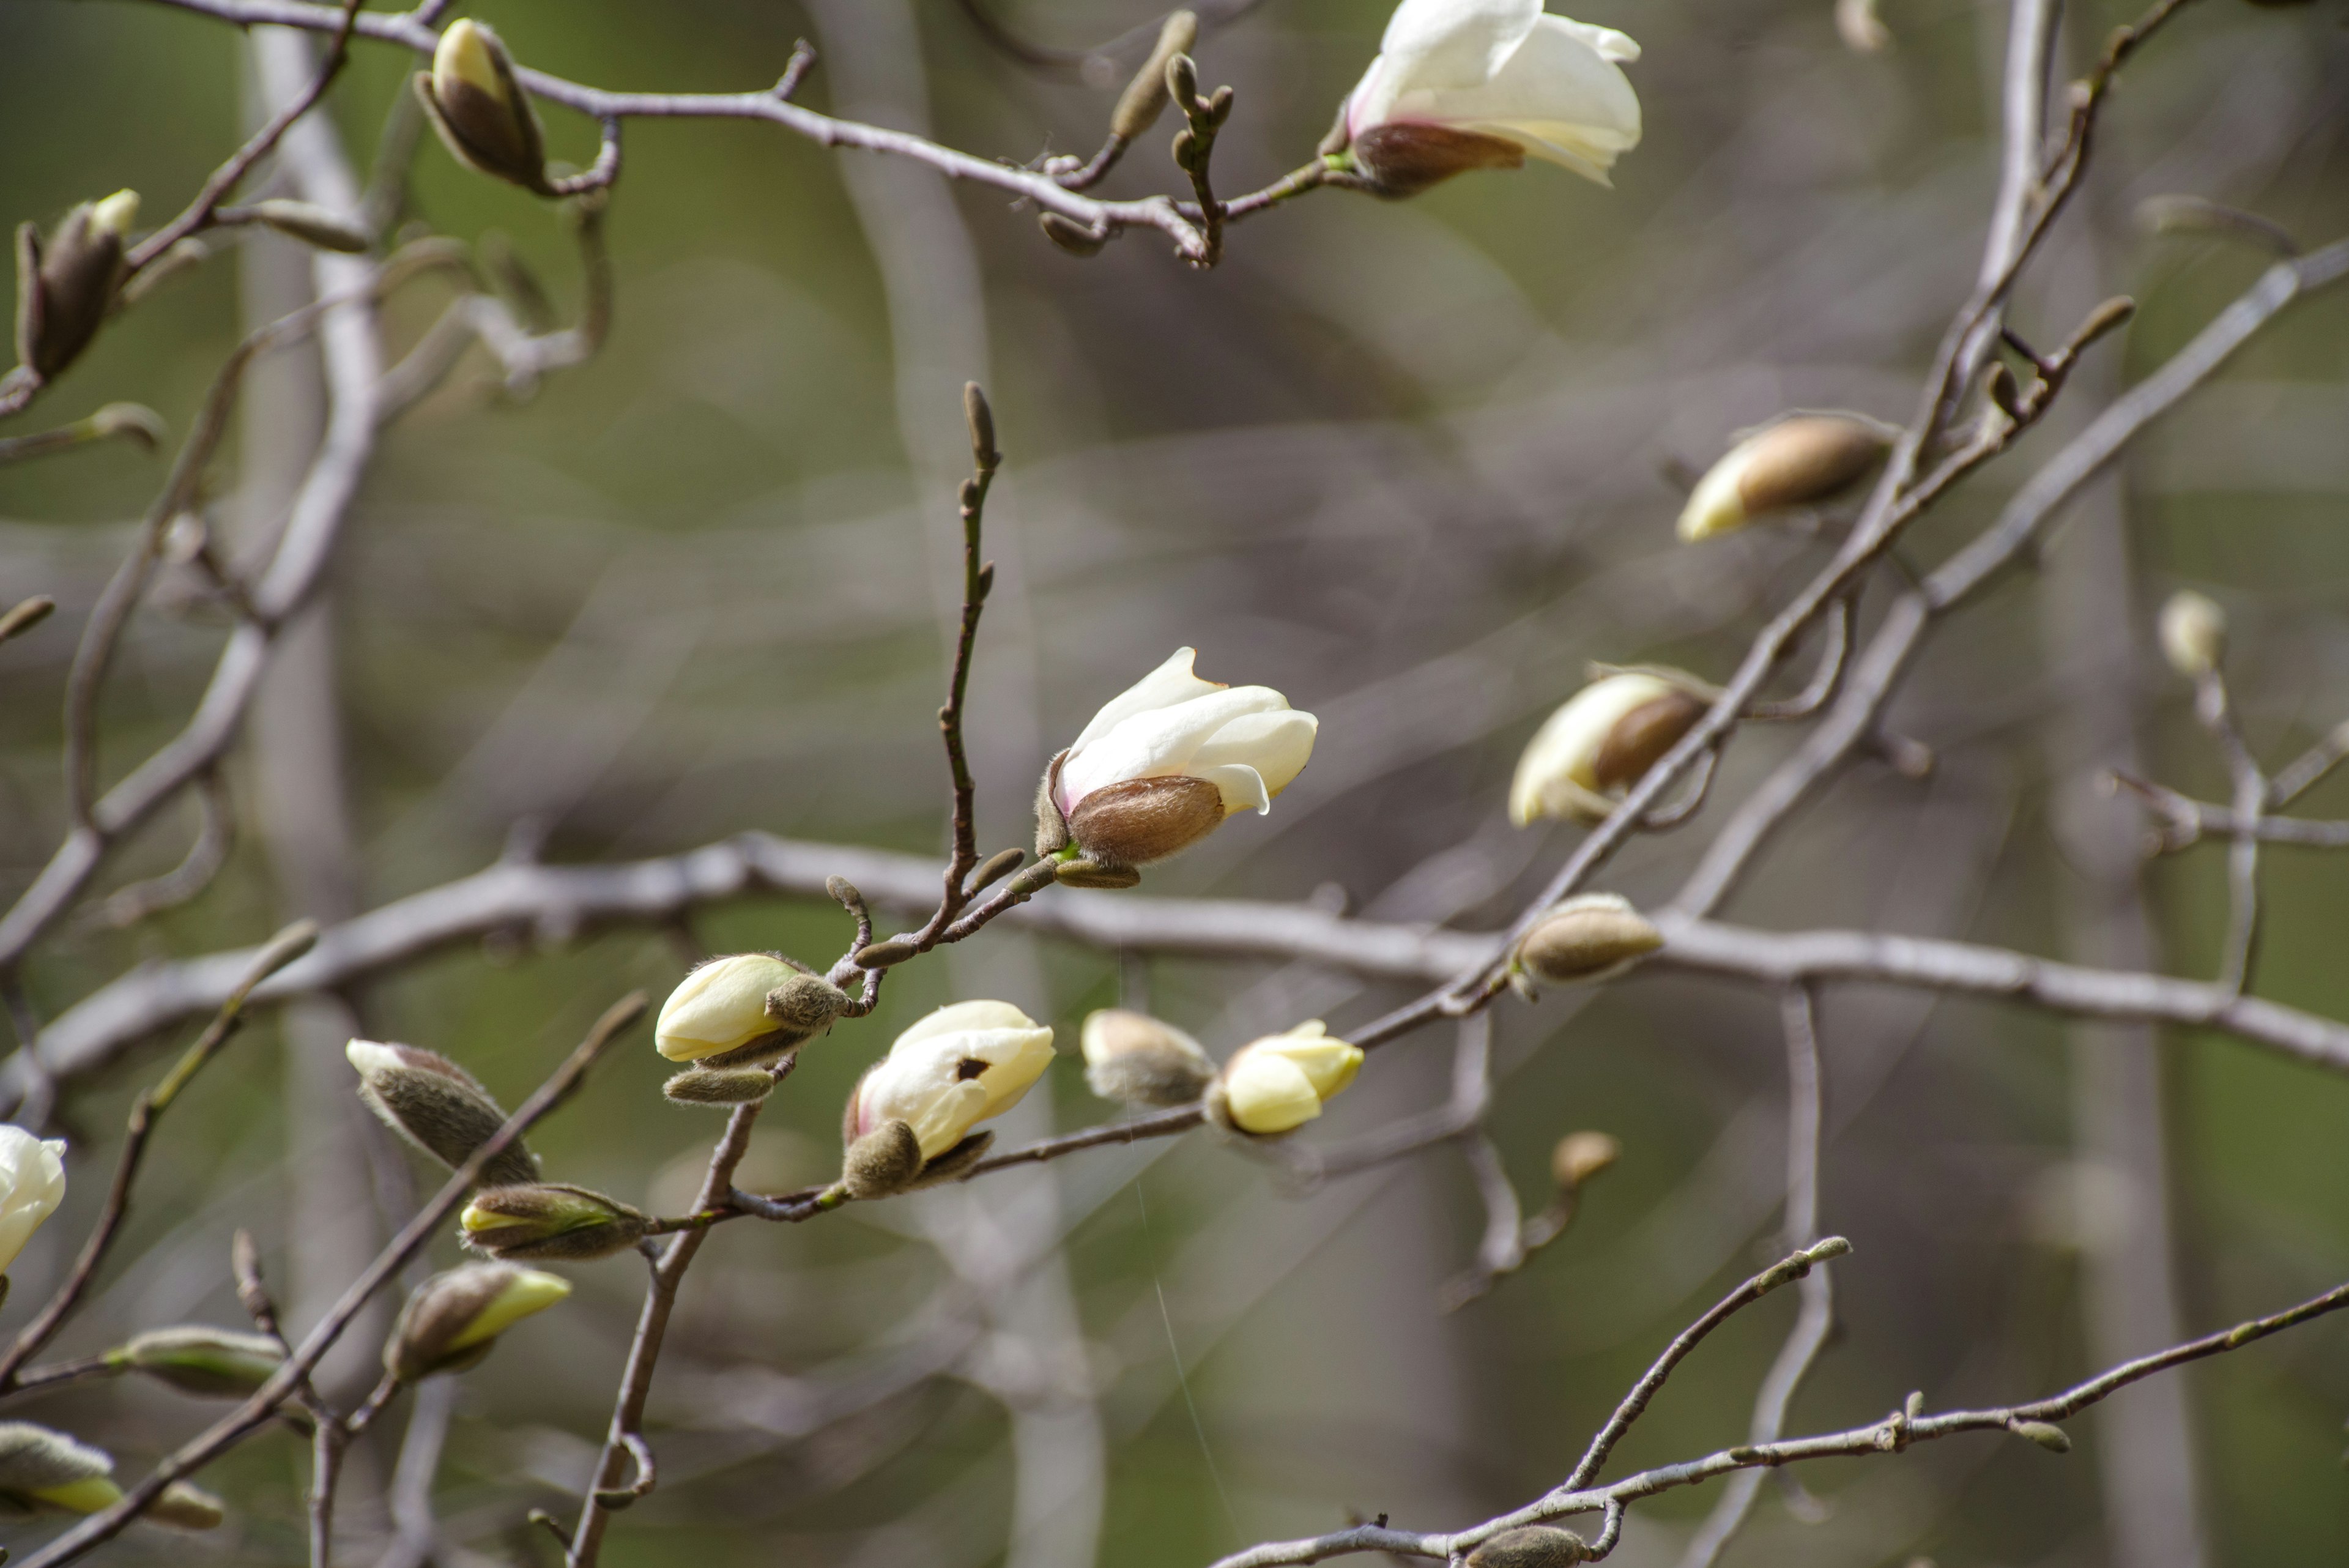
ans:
x=1597 y=745
x=1452 y=76
x=1166 y=761
x=1279 y=1083
x=961 y=1066
x=32 y=1185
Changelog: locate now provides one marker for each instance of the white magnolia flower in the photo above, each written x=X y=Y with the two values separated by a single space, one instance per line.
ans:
x=32 y=1184
x=1597 y=745
x=1279 y=1083
x=961 y=1066
x=1464 y=84
x=1164 y=763
x=729 y=1003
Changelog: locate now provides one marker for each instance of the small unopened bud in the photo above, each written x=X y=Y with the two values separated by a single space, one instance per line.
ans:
x=312 y=224
x=141 y=425
x=437 y=1106
x=1827 y=1249
x=40 y=1468
x=64 y=286
x=548 y=1220
x=1579 y=1156
x=750 y=1007
x=453 y=1319
x=2193 y=634
x=2049 y=1436
x=25 y=615
x=982 y=420
x=1403 y=158
x=1145 y=99
x=883 y=1163
x=186 y=1506
x=481 y=110
x=1134 y=1058
x=1279 y=1084
x=1076 y=238
x=1800 y=461
x=1589 y=937
x=1533 y=1546
x=720 y=1085
x=210 y=1363
x=1602 y=742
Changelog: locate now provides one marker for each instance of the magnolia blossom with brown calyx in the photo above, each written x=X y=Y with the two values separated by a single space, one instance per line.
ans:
x=1480 y=84
x=32 y=1185
x=963 y=1064
x=1279 y=1083
x=745 y=1008
x=1602 y=743
x=1160 y=768
x=1801 y=460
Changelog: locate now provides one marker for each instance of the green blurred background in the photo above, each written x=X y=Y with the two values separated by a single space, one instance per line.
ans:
x=1412 y=464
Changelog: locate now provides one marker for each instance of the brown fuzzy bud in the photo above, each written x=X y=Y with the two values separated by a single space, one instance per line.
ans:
x=1404 y=157
x=982 y=420
x=806 y=1004
x=2049 y=1436
x=1579 y=1156
x=1535 y=1546
x=1145 y=99
x=310 y=223
x=437 y=1106
x=884 y=1162
x=719 y=1086
x=1591 y=936
x=186 y=1506
x=1640 y=737
x=887 y=951
x=1137 y=820
x=548 y=1220
x=64 y=287
x=479 y=109
x=1087 y=872
x=1076 y=238
x=453 y=1319
x=1797 y=461
x=1132 y=1058
x=210 y=1363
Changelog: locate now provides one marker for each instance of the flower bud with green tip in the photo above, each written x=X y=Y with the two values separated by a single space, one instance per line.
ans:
x=1134 y=1058
x=41 y=1468
x=453 y=1319
x=210 y=1363
x=548 y=1220
x=64 y=286
x=1533 y=1546
x=744 y=1008
x=481 y=110
x=438 y=1107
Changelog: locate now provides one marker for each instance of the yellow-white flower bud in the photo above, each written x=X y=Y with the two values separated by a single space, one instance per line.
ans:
x=1579 y=1156
x=1279 y=1083
x=184 y=1505
x=2193 y=634
x=1589 y=937
x=41 y=1468
x=437 y=1106
x=481 y=110
x=1798 y=461
x=1164 y=763
x=961 y=1066
x=32 y=1185
x=749 y=1007
x=453 y=1319
x=1481 y=84
x=1134 y=1058
x=1606 y=737
x=548 y=1220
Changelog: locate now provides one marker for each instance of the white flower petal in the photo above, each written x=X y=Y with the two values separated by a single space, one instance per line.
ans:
x=1276 y=744
x=1163 y=686
x=1159 y=742
x=1455 y=43
x=962 y=1015
x=1241 y=786
x=1561 y=97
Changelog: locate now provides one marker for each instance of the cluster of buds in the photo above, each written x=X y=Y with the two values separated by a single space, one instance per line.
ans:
x=65 y=285
x=1482 y=84
x=1160 y=767
x=32 y=1185
x=453 y=1320
x=45 y=1471
x=732 y=1015
x=1801 y=460
x=548 y=1220
x=1589 y=937
x=1136 y=1060
x=485 y=119
x=437 y=1106
x=1590 y=753
x=1277 y=1083
x=209 y=1362
x=909 y=1121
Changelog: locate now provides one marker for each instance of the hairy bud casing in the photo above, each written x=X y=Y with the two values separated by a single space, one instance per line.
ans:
x=1136 y=1060
x=547 y=1220
x=64 y=287
x=1404 y=157
x=1533 y=1546
x=1799 y=461
x=1137 y=820
x=312 y=224
x=883 y=1163
x=1145 y=99
x=719 y=1086
x=210 y=1363
x=44 y=1469
x=1589 y=937
x=2048 y=1435
x=1639 y=739
x=437 y=1106
x=453 y=1319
